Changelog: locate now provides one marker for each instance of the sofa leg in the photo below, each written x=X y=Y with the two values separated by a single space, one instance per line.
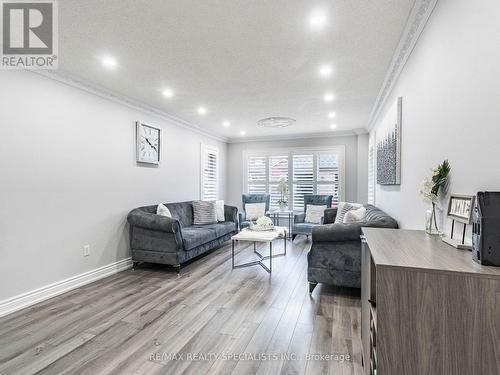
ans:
x=312 y=286
x=307 y=237
x=293 y=236
x=177 y=268
x=134 y=265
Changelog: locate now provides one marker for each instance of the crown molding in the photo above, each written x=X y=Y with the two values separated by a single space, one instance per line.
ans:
x=70 y=80
x=360 y=131
x=415 y=25
x=269 y=138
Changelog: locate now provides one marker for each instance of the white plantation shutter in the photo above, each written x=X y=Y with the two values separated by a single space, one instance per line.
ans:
x=307 y=172
x=303 y=179
x=209 y=173
x=278 y=169
x=257 y=174
x=328 y=176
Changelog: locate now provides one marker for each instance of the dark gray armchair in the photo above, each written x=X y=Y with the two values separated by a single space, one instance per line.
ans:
x=252 y=198
x=335 y=255
x=299 y=224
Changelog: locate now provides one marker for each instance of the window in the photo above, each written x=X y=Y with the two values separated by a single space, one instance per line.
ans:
x=278 y=169
x=305 y=171
x=257 y=173
x=328 y=176
x=303 y=179
x=209 y=173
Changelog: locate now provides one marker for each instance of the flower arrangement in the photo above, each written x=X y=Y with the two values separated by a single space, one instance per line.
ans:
x=430 y=190
x=264 y=221
x=283 y=190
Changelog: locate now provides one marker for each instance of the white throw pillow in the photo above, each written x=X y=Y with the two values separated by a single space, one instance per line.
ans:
x=219 y=207
x=355 y=215
x=342 y=209
x=314 y=213
x=163 y=210
x=255 y=210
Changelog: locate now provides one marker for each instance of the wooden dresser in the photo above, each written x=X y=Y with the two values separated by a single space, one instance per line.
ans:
x=427 y=308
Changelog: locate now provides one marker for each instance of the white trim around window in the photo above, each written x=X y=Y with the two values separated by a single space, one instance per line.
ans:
x=209 y=172
x=308 y=170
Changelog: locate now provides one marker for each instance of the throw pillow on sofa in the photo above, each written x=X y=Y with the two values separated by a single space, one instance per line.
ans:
x=355 y=215
x=314 y=213
x=343 y=208
x=255 y=210
x=219 y=206
x=163 y=210
x=204 y=212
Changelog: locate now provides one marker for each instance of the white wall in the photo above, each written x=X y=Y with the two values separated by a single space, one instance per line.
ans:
x=362 y=168
x=68 y=178
x=451 y=94
x=235 y=162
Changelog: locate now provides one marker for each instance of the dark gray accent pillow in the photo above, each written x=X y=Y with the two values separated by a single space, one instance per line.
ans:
x=204 y=212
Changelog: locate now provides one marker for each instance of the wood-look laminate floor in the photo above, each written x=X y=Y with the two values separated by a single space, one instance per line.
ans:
x=149 y=321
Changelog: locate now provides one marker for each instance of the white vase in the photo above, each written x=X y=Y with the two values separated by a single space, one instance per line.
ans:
x=283 y=206
x=433 y=220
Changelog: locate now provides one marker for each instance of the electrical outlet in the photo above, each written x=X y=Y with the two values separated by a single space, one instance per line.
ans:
x=86 y=250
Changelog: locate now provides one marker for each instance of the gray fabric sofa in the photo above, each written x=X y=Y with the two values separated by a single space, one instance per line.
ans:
x=173 y=241
x=335 y=255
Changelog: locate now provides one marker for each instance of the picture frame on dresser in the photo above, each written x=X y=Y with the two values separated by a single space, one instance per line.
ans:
x=460 y=209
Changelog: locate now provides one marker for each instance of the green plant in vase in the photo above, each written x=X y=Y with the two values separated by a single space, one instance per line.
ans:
x=430 y=190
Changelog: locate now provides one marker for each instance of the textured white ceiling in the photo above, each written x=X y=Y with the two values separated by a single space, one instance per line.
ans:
x=243 y=60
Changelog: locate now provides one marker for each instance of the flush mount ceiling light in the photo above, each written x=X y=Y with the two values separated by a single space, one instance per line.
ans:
x=317 y=20
x=226 y=124
x=333 y=126
x=332 y=115
x=202 y=111
x=243 y=132
x=109 y=62
x=328 y=97
x=168 y=93
x=276 y=122
x=325 y=71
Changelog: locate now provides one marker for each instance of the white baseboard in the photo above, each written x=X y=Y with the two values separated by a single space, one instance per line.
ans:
x=24 y=300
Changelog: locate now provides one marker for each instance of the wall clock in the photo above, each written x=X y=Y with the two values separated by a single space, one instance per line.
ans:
x=148 y=143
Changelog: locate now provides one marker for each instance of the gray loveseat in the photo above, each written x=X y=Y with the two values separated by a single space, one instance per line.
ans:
x=173 y=241
x=335 y=255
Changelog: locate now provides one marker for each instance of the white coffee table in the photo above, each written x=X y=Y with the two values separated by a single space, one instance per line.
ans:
x=256 y=236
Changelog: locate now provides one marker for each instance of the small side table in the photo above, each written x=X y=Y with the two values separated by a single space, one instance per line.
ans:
x=276 y=215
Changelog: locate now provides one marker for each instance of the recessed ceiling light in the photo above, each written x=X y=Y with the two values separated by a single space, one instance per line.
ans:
x=328 y=97
x=168 y=93
x=243 y=132
x=226 y=124
x=333 y=126
x=332 y=115
x=317 y=20
x=325 y=71
x=202 y=111
x=109 y=62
